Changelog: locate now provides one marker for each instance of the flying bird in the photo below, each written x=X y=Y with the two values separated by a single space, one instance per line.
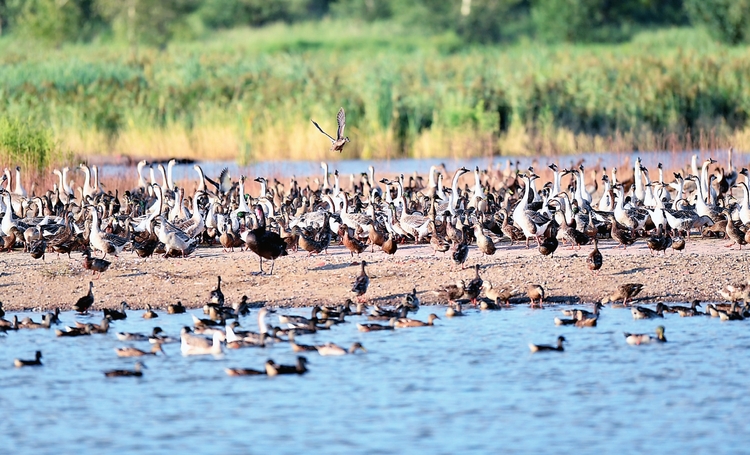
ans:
x=337 y=144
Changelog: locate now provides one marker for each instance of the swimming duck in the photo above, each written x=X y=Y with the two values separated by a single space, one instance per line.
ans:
x=175 y=308
x=274 y=369
x=686 y=312
x=134 y=352
x=454 y=311
x=474 y=288
x=535 y=292
x=595 y=258
x=84 y=303
x=497 y=295
x=643 y=338
x=196 y=345
x=117 y=315
x=370 y=327
x=332 y=349
x=126 y=373
x=640 y=312
x=294 y=321
x=411 y=301
x=6 y=325
x=337 y=144
x=74 y=331
x=96 y=265
x=102 y=327
x=244 y=372
x=401 y=323
x=546 y=347
x=149 y=313
x=129 y=336
x=732 y=314
x=28 y=323
x=625 y=292
x=361 y=283
x=37 y=362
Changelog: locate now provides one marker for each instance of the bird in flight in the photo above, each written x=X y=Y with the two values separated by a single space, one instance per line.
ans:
x=337 y=144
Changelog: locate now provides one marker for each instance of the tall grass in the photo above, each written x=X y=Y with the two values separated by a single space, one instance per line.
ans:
x=26 y=144
x=250 y=94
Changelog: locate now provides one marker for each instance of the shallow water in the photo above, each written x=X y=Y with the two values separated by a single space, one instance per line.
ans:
x=467 y=385
x=670 y=160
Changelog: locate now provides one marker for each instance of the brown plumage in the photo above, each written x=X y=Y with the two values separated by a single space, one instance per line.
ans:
x=351 y=243
x=626 y=292
x=733 y=232
x=535 y=292
x=595 y=258
x=474 y=288
x=623 y=237
x=337 y=144
x=312 y=245
x=390 y=246
x=126 y=373
x=84 y=303
x=96 y=265
x=266 y=244
x=273 y=369
x=361 y=283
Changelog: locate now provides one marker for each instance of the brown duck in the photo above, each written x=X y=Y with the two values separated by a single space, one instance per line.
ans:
x=96 y=265
x=595 y=258
x=337 y=144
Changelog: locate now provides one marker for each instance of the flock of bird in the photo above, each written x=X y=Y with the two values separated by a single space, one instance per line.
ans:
x=158 y=216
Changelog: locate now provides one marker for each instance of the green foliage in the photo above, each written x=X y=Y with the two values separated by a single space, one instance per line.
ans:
x=26 y=143
x=727 y=20
x=647 y=86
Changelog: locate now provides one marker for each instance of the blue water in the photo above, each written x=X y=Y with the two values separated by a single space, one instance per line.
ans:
x=467 y=385
x=670 y=160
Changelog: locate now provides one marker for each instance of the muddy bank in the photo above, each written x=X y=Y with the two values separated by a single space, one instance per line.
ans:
x=298 y=280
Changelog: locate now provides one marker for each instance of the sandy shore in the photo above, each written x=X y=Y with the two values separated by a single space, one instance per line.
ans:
x=298 y=281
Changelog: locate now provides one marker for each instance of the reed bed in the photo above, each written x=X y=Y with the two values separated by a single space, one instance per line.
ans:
x=249 y=95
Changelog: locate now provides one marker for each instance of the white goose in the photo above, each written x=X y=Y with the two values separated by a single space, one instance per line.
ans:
x=195 y=345
x=102 y=241
x=532 y=223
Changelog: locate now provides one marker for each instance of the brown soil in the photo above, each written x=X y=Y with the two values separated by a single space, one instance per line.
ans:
x=298 y=281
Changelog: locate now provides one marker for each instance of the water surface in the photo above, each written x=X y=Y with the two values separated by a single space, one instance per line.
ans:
x=467 y=385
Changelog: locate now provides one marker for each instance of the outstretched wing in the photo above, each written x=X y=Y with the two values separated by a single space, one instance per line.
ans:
x=341 y=120
x=321 y=130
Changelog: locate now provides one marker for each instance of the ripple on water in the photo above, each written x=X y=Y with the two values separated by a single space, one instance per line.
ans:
x=467 y=385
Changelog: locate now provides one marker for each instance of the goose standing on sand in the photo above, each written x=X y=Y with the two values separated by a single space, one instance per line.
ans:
x=266 y=244
x=532 y=223
x=102 y=241
x=361 y=283
x=84 y=303
x=337 y=144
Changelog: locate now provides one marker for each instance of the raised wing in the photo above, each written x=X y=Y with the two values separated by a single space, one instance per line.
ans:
x=321 y=130
x=341 y=120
